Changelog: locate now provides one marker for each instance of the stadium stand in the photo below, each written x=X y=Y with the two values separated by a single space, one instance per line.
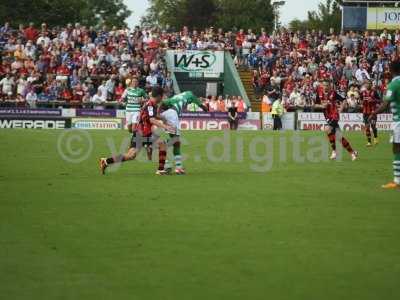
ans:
x=78 y=66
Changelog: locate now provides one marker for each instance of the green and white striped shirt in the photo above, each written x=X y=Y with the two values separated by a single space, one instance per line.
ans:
x=133 y=98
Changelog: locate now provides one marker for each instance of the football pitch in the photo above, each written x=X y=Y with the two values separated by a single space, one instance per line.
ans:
x=257 y=217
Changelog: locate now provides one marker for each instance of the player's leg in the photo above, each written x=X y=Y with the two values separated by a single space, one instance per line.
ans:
x=368 y=130
x=375 y=131
x=171 y=117
x=128 y=117
x=346 y=145
x=162 y=156
x=331 y=132
x=396 y=162
x=130 y=155
x=179 y=170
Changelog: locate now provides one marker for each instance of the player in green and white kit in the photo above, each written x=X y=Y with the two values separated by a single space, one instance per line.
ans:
x=392 y=99
x=171 y=110
x=134 y=98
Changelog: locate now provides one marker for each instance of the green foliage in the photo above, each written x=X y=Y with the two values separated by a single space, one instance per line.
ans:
x=61 y=12
x=327 y=16
x=298 y=25
x=246 y=14
x=227 y=14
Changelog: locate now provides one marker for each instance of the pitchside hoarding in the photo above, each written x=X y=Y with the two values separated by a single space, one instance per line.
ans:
x=348 y=122
x=94 y=123
x=96 y=113
x=34 y=122
x=288 y=121
x=371 y=18
x=195 y=61
x=379 y=18
x=216 y=124
x=29 y=112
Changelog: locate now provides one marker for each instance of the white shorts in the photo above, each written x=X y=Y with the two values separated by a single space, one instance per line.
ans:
x=396 y=133
x=172 y=119
x=132 y=117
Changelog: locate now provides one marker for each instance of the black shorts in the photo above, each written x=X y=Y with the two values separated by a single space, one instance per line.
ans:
x=139 y=141
x=373 y=120
x=334 y=124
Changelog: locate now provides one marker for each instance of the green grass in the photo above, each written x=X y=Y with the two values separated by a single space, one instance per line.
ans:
x=301 y=231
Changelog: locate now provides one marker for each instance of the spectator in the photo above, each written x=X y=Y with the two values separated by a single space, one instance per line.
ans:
x=31 y=33
x=221 y=104
x=7 y=84
x=213 y=105
x=98 y=100
x=31 y=98
x=102 y=91
x=241 y=105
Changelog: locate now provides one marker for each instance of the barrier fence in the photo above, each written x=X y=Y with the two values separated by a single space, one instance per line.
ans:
x=113 y=119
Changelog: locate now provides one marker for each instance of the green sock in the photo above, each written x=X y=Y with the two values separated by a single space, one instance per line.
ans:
x=396 y=168
x=177 y=155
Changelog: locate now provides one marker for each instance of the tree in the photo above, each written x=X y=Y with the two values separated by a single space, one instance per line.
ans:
x=254 y=14
x=179 y=13
x=61 y=12
x=198 y=14
x=299 y=25
x=327 y=16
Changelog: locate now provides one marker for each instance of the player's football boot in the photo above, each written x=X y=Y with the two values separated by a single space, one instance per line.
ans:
x=369 y=144
x=180 y=171
x=391 y=186
x=376 y=141
x=333 y=155
x=168 y=170
x=354 y=156
x=161 y=172
x=103 y=165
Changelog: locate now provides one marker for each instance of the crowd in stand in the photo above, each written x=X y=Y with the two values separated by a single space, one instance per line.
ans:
x=79 y=64
x=294 y=66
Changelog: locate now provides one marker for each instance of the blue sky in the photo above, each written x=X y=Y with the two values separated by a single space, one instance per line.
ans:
x=292 y=9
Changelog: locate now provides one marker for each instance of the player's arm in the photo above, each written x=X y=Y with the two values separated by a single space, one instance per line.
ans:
x=160 y=124
x=199 y=103
x=382 y=108
x=320 y=106
x=145 y=96
x=124 y=96
x=389 y=97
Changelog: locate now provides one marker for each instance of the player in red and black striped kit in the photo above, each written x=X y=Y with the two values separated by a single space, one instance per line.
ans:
x=369 y=98
x=144 y=135
x=332 y=106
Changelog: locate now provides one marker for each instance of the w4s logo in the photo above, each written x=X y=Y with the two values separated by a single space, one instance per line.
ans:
x=195 y=62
